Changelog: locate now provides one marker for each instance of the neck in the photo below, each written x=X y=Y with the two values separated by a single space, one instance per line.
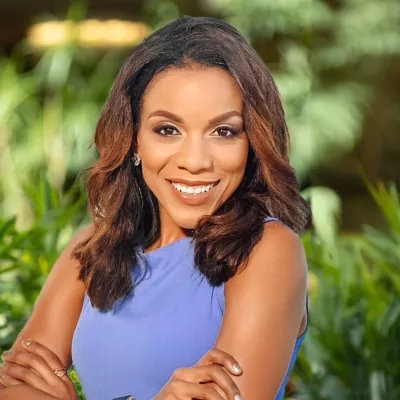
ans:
x=169 y=231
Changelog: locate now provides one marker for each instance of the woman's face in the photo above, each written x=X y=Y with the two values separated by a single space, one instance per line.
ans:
x=192 y=141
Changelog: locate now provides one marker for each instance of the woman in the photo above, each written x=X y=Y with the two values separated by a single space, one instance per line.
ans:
x=191 y=282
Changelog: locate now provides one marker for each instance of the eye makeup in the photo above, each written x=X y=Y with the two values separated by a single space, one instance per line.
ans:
x=223 y=131
x=167 y=128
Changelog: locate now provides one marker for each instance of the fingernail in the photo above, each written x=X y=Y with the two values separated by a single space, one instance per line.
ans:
x=238 y=397
x=3 y=366
x=27 y=342
x=237 y=369
x=2 y=376
x=6 y=353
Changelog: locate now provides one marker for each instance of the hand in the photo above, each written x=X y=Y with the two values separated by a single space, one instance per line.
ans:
x=205 y=381
x=34 y=365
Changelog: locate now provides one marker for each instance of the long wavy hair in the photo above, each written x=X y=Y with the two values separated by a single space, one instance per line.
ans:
x=125 y=212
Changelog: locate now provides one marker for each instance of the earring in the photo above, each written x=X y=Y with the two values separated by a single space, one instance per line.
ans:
x=136 y=159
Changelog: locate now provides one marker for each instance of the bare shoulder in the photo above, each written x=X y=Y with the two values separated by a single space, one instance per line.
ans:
x=282 y=250
x=59 y=304
x=278 y=261
x=66 y=266
x=81 y=235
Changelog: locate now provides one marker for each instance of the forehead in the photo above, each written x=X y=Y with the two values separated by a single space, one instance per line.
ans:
x=211 y=90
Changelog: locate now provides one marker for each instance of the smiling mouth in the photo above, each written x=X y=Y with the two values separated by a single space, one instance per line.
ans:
x=193 y=189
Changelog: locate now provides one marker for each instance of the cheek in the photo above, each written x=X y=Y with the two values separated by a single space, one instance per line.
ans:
x=233 y=160
x=153 y=160
x=153 y=153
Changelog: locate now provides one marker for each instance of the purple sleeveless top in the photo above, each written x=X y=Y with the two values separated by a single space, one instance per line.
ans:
x=172 y=319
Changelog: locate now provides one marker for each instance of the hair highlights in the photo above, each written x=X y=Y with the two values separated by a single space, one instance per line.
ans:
x=125 y=212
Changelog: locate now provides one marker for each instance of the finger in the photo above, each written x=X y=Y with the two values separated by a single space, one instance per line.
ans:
x=201 y=392
x=35 y=347
x=214 y=373
x=32 y=361
x=207 y=374
x=6 y=380
x=15 y=372
x=48 y=356
x=216 y=356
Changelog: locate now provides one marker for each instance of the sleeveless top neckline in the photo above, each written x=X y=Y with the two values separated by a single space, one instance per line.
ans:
x=172 y=319
x=166 y=247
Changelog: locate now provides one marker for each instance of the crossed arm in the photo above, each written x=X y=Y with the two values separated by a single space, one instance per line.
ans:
x=264 y=314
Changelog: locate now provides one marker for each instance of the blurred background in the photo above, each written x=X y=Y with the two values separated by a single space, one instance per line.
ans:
x=336 y=63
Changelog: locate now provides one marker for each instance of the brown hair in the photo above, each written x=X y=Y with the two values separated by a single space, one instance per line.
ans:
x=125 y=212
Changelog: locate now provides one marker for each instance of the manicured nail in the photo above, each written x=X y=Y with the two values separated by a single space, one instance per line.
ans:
x=237 y=369
x=6 y=353
x=27 y=342
x=238 y=397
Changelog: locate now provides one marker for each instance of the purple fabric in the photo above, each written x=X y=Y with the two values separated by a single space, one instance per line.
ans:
x=172 y=319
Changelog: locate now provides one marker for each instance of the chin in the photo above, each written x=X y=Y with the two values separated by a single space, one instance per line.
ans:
x=187 y=219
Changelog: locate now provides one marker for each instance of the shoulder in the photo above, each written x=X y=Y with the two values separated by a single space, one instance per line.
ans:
x=277 y=262
x=81 y=235
x=279 y=252
x=66 y=268
x=276 y=237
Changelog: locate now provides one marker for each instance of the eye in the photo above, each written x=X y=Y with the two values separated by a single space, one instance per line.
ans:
x=166 y=130
x=225 y=131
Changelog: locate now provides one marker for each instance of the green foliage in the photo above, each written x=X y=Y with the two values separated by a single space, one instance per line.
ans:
x=26 y=257
x=352 y=350
x=47 y=119
x=267 y=18
x=74 y=378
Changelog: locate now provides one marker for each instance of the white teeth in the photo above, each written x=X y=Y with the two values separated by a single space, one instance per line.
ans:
x=192 y=189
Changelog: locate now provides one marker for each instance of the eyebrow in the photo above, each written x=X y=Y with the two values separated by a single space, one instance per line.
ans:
x=179 y=120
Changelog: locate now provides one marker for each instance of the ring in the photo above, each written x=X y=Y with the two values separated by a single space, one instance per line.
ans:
x=60 y=372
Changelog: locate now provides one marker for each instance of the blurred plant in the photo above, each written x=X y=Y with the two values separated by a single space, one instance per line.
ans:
x=352 y=350
x=26 y=257
x=47 y=117
x=74 y=378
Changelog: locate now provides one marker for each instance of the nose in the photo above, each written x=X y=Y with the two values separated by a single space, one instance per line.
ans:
x=194 y=155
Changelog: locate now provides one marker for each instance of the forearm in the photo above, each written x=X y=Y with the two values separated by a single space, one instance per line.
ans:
x=23 y=392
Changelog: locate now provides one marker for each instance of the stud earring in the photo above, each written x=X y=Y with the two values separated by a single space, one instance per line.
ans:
x=136 y=159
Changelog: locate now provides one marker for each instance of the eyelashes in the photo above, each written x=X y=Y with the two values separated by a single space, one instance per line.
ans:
x=166 y=130
x=226 y=131
x=223 y=131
